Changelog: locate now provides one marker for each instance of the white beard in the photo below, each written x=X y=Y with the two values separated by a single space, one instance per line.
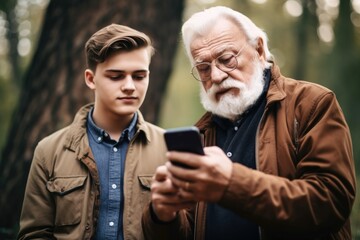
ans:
x=229 y=105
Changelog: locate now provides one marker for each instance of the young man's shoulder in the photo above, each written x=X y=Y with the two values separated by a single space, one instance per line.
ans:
x=148 y=127
x=74 y=130
x=152 y=132
x=155 y=128
x=56 y=139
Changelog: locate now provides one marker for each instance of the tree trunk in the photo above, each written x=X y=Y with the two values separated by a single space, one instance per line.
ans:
x=345 y=74
x=54 y=89
x=301 y=42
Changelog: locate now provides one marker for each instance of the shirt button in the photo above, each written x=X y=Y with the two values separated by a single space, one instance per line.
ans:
x=106 y=135
x=236 y=128
x=115 y=149
x=99 y=139
x=111 y=224
x=229 y=154
x=113 y=186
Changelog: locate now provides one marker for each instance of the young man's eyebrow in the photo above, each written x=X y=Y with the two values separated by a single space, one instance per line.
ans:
x=122 y=71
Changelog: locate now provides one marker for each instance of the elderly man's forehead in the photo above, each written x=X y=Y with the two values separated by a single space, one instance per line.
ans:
x=215 y=53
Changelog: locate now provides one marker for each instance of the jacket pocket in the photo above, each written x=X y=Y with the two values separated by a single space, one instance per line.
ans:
x=145 y=181
x=145 y=184
x=68 y=193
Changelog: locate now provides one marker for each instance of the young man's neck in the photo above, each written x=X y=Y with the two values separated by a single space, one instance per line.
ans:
x=113 y=124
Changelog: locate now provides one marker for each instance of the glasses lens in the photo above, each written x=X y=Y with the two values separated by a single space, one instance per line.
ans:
x=201 y=71
x=226 y=62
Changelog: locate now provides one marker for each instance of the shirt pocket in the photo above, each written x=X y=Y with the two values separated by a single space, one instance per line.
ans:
x=68 y=195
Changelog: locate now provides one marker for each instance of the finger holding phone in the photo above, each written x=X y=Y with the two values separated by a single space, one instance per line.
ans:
x=200 y=176
x=208 y=177
x=165 y=200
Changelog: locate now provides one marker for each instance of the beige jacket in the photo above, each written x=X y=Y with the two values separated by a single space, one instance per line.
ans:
x=305 y=184
x=62 y=193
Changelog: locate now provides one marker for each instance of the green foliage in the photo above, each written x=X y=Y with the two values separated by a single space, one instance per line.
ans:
x=182 y=105
x=7 y=5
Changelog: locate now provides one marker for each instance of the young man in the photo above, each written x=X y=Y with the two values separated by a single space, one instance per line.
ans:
x=91 y=180
x=281 y=163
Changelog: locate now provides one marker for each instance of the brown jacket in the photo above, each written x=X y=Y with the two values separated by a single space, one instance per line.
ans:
x=305 y=184
x=62 y=193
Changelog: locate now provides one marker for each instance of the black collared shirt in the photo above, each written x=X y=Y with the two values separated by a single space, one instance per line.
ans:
x=237 y=139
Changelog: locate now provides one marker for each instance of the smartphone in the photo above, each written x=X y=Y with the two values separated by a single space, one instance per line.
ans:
x=184 y=139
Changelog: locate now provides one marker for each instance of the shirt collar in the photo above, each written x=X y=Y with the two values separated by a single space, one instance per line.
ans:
x=100 y=134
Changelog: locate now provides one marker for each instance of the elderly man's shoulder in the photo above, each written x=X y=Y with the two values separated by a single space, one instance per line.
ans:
x=301 y=88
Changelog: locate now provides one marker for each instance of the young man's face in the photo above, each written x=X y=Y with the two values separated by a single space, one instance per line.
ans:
x=120 y=83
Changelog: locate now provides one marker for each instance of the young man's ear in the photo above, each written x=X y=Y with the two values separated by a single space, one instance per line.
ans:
x=89 y=78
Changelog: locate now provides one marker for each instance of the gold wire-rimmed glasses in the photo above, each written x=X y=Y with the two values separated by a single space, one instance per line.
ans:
x=225 y=62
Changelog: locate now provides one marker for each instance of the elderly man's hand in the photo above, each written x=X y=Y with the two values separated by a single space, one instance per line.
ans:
x=206 y=180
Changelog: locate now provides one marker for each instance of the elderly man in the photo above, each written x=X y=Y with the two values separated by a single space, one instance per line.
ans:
x=278 y=160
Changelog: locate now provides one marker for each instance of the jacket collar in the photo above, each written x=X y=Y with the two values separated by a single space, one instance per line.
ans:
x=276 y=92
x=78 y=128
x=143 y=127
x=77 y=139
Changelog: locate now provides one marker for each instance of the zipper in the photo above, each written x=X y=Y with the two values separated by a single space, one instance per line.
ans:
x=257 y=150
x=257 y=140
x=296 y=136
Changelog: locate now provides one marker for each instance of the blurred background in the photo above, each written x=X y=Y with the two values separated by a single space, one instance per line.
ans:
x=42 y=64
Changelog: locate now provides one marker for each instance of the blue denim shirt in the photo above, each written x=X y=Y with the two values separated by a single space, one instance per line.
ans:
x=110 y=156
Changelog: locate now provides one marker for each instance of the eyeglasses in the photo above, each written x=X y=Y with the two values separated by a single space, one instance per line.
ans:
x=226 y=63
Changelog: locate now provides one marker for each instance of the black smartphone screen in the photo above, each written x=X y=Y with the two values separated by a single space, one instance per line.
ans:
x=184 y=139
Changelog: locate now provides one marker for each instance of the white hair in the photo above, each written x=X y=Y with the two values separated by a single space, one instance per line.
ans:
x=200 y=23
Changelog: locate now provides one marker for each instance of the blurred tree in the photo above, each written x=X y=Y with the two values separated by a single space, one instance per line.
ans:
x=341 y=69
x=305 y=28
x=8 y=6
x=53 y=88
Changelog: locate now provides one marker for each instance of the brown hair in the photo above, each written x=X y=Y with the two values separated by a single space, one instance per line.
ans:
x=114 y=38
